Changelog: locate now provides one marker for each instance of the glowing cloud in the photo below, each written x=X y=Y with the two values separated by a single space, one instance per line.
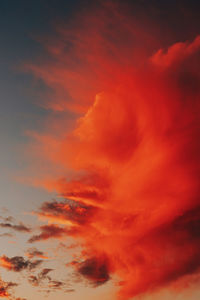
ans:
x=5 y=288
x=132 y=193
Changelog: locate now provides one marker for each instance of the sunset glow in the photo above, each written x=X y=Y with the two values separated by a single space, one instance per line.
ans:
x=118 y=148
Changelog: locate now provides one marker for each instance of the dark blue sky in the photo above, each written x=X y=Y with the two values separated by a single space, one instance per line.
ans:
x=20 y=21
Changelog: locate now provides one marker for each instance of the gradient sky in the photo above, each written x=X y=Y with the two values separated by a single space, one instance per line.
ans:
x=28 y=83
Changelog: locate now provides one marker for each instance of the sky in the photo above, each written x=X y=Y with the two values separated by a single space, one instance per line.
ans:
x=99 y=130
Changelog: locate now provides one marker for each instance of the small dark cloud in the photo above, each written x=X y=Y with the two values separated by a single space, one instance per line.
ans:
x=69 y=210
x=3 y=292
x=5 y=288
x=34 y=252
x=45 y=271
x=18 y=263
x=34 y=264
x=20 y=227
x=47 y=232
x=44 y=280
x=95 y=270
x=43 y=275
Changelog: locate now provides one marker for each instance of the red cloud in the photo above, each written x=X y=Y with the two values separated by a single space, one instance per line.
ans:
x=132 y=158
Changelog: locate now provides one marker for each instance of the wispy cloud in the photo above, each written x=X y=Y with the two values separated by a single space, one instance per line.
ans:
x=34 y=252
x=49 y=232
x=20 y=227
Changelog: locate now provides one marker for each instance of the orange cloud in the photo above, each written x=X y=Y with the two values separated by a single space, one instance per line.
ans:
x=3 y=292
x=129 y=170
x=5 y=289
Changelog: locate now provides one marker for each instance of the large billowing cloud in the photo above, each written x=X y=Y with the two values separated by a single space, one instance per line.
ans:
x=129 y=168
